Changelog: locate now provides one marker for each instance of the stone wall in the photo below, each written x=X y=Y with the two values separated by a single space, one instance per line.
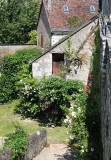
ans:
x=105 y=60
x=10 y=49
x=37 y=142
x=42 y=65
x=105 y=7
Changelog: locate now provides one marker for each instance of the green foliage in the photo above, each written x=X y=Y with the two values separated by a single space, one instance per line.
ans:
x=83 y=117
x=93 y=111
x=75 y=121
x=33 y=37
x=45 y=98
x=11 y=65
x=17 y=141
x=69 y=51
x=17 y=19
x=77 y=21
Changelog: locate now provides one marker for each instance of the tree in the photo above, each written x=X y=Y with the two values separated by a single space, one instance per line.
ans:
x=17 y=18
x=33 y=37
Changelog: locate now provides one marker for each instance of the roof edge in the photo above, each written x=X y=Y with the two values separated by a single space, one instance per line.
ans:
x=42 y=3
x=65 y=38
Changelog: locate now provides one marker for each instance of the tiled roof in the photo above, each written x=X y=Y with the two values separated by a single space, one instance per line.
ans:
x=59 y=19
x=64 y=39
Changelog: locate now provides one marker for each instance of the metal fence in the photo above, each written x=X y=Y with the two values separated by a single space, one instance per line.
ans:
x=106 y=26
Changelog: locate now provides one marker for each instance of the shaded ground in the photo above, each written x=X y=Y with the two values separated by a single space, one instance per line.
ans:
x=55 y=152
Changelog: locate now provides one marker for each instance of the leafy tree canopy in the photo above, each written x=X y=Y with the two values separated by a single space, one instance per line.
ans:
x=17 y=18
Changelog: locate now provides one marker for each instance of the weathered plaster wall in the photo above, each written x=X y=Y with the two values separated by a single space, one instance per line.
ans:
x=56 y=38
x=105 y=53
x=81 y=71
x=43 y=65
x=43 y=29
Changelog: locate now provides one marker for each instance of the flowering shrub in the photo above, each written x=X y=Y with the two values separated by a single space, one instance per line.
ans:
x=49 y=98
x=75 y=120
x=83 y=116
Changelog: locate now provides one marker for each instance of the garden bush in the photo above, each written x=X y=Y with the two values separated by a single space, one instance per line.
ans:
x=48 y=98
x=17 y=141
x=11 y=65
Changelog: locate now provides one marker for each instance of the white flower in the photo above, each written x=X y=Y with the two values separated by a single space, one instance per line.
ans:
x=79 y=110
x=38 y=133
x=52 y=126
x=52 y=90
x=52 y=99
x=67 y=117
x=73 y=114
x=82 y=146
x=65 y=120
x=92 y=149
x=71 y=137
x=69 y=120
x=82 y=150
x=71 y=107
x=67 y=132
x=86 y=150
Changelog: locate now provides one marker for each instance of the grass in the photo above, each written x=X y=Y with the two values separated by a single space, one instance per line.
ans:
x=7 y=118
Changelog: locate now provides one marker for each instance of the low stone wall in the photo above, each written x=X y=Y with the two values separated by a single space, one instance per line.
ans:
x=37 y=142
x=7 y=154
x=10 y=49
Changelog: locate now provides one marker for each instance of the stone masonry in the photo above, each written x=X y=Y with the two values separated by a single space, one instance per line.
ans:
x=10 y=49
x=105 y=60
x=37 y=142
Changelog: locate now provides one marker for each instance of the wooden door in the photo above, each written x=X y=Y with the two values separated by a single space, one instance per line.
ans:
x=57 y=62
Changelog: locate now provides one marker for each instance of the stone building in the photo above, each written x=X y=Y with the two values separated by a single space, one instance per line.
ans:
x=53 y=18
x=50 y=62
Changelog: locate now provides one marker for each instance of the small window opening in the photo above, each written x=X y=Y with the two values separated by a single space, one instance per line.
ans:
x=92 y=8
x=66 y=9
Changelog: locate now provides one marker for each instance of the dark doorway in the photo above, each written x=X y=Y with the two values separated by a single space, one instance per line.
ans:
x=57 y=62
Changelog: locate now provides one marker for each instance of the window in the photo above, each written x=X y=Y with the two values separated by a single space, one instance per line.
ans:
x=92 y=8
x=66 y=9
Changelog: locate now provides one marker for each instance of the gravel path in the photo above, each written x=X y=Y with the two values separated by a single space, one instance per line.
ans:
x=55 y=152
